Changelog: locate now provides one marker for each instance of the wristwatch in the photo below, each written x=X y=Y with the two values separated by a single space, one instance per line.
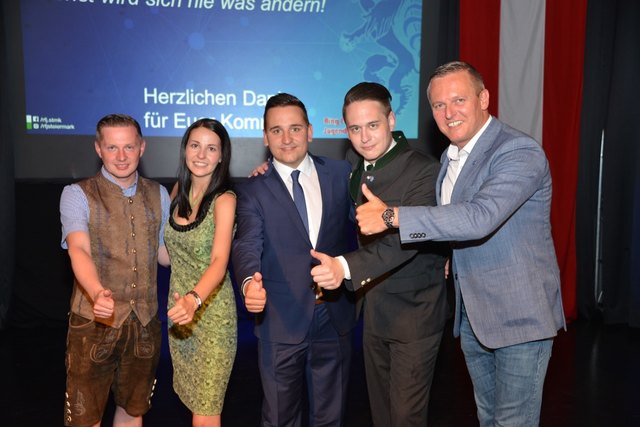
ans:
x=388 y=216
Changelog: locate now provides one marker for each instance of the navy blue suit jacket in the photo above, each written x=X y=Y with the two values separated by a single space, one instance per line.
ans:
x=271 y=239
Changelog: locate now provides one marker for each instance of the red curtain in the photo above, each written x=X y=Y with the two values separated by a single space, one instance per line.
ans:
x=562 y=99
x=562 y=106
x=480 y=42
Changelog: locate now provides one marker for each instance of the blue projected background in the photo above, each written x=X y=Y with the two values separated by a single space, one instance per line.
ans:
x=169 y=62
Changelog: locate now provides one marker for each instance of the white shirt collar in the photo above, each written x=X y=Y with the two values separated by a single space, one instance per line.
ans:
x=454 y=154
x=305 y=167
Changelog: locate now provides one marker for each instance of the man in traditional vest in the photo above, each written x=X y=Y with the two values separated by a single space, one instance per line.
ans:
x=112 y=226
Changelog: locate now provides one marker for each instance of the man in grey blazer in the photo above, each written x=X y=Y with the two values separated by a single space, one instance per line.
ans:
x=494 y=192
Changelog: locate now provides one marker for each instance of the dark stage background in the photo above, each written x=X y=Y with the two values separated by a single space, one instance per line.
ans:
x=593 y=363
x=35 y=277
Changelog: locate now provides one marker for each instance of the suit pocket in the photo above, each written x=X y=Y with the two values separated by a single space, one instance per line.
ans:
x=103 y=348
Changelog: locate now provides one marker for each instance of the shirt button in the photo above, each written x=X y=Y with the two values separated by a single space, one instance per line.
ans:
x=132 y=302
x=133 y=285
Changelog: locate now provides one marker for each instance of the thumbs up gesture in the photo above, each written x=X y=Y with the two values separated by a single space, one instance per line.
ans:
x=329 y=274
x=255 y=296
x=103 y=303
x=183 y=309
x=369 y=215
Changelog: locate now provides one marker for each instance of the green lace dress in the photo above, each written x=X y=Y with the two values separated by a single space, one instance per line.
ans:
x=203 y=351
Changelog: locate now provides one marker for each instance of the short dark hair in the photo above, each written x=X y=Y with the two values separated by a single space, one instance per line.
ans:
x=454 y=67
x=368 y=91
x=116 y=120
x=284 y=100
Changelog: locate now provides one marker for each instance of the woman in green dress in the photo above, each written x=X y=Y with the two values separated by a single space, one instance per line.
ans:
x=202 y=308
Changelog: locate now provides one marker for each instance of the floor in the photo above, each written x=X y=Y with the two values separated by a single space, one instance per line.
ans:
x=593 y=380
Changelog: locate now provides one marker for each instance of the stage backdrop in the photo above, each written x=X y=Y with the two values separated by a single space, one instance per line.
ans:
x=170 y=62
x=64 y=64
x=531 y=54
x=608 y=227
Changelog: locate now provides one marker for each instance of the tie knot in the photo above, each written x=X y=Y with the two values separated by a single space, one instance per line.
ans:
x=369 y=167
x=294 y=175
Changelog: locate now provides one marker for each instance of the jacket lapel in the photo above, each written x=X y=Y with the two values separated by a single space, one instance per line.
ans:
x=476 y=159
x=326 y=192
x=444 y=162
x=355 y=180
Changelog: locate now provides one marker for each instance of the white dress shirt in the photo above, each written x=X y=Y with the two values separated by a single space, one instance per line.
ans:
x=457 y=159
x=312 y=194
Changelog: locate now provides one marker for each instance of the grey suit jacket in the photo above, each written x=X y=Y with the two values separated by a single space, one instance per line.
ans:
x=504 y=261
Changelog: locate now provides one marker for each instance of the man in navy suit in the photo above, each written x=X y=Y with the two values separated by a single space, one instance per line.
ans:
x=304 y=332
x=494 y=192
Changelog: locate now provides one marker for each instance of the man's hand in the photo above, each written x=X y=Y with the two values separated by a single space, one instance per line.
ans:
x=183 y=310
x=103 y=304
x=369 y=215
x=329 y=274
x=255 y=296
x=260 y=169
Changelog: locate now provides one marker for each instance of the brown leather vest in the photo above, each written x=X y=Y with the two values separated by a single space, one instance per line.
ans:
x=124 y=247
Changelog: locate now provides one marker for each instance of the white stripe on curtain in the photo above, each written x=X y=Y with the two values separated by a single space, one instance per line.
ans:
x=522 y=24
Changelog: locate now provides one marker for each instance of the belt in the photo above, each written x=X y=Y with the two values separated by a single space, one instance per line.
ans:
x=318 y=292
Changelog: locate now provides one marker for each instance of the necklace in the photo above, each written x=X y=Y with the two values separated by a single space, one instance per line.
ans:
x=194 y=201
